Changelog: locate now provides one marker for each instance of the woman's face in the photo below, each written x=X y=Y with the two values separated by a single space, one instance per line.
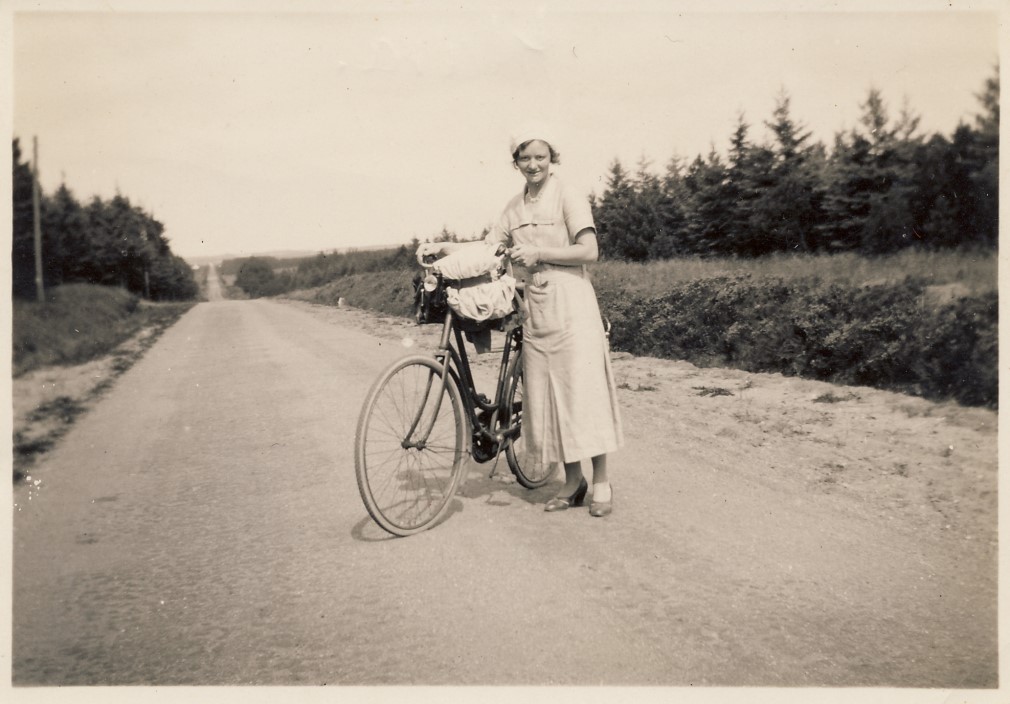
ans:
x=535 y=161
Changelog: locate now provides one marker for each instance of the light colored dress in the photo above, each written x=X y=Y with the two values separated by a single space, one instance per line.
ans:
x=570 y=410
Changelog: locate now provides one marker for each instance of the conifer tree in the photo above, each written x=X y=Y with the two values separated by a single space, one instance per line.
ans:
x=672 y=237
x=983 y=162
x=23 y=235
x=787 y=208
x=709 y=220
x=615 y=216
x=750 y=175
x=64 y=227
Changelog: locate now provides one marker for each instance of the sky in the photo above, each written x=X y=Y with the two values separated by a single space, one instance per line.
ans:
x=311 y=126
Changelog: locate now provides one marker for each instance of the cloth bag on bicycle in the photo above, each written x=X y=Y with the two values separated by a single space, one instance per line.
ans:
x=478 y=290
x=468 y=261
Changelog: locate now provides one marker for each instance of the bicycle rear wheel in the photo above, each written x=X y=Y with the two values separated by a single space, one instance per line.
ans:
x=515 y=451
x=407 y=475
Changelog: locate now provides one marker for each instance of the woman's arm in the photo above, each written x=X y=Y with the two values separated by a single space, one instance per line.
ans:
x=438 y=249
x=584 y=251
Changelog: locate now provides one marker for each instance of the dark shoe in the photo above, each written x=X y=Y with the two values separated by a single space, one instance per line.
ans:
x=560 y=503
x=602 y=508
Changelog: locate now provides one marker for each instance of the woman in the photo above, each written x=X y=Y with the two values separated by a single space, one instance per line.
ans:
x=570 y=408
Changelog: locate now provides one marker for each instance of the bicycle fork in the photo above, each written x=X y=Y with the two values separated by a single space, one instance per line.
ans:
x=442 y=355
x=421 y=441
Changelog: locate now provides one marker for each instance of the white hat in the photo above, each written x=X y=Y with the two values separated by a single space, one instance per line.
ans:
x=531 y=131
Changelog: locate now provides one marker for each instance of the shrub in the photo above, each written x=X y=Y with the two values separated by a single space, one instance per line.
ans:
x=959 y=350
x=844 y=319
x=256 y=277
x=885 y=336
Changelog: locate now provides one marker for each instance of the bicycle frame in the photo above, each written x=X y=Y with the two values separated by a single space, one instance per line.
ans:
x=452 y=355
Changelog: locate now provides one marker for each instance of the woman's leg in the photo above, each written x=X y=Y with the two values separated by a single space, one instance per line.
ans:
x=573 y=478
x=573 y=493
x=573 y=475
x=574 y=485
x=601 y=482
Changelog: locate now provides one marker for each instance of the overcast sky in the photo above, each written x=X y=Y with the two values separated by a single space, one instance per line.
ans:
x=319 y=125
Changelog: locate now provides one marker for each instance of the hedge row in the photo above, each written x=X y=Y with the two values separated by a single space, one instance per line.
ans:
x=893 y=336
x=886 y=336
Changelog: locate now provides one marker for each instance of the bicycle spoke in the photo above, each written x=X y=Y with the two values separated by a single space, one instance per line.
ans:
x=406 y=478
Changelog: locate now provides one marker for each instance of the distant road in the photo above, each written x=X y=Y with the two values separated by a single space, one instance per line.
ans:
x=214 y=292
x=202 y=526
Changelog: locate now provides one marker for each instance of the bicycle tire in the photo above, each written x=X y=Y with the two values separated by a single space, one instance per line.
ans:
x=515 y=450
x=407 y=489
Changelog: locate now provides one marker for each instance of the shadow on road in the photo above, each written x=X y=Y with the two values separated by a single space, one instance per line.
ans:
x=368 y=531
x=501 y=493
x=476 y=484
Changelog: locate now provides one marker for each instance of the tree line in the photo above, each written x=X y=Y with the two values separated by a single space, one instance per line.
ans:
x=880 y=188
x=104 y=242
x=269 y=276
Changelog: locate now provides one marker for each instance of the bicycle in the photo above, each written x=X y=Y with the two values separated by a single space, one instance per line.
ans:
x=423 y=417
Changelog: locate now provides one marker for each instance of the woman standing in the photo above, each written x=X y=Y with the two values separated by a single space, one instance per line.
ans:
x=570 y=410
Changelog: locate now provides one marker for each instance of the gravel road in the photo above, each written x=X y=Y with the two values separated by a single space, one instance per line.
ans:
x=202 y=526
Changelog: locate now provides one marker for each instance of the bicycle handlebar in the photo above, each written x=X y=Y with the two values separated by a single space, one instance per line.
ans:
x=428 y=261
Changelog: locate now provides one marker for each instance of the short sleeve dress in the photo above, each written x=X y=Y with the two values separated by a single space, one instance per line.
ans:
x=570 y=410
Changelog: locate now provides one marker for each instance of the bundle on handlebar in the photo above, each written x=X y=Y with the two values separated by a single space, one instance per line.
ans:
x=474 y=283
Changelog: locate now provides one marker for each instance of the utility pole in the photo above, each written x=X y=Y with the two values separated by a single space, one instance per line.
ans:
x=39 y=288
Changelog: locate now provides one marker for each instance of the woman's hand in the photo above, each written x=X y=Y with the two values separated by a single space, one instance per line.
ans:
x=428 y=249
x=526 y=255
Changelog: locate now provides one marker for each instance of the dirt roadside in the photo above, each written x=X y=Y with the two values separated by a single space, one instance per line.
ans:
x=932 y=465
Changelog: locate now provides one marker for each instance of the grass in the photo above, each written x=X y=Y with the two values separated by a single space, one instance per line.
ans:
x=832 y=397
x=81 y=322
x=712 y=391
x=971 y=272
x=390 y=292
x=976 y=271
x=64 y=408
x=641 y=387
x=44 y=427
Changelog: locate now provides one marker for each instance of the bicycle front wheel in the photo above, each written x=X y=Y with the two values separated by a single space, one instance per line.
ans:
x=515 y=451
x=409 y=446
